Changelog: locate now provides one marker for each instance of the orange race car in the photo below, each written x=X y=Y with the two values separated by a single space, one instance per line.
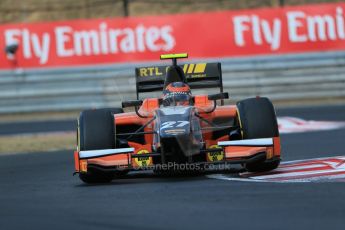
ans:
x=177 y=129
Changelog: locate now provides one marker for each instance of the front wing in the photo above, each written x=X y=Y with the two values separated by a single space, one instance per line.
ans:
x=232 y=152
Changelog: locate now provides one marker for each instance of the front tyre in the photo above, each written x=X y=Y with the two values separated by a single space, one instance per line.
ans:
x=96 y=131
x=257 y=119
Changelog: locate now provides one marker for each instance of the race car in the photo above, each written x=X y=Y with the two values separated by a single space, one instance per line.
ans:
x=177 y=128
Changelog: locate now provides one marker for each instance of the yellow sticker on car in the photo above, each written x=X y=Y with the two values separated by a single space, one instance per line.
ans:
x=143 y=161
x=150 y=71
x=194 y=69
x=200 y=68
x=215 y=156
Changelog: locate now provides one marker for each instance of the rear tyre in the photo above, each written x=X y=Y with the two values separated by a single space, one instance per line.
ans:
x=96 y=131
x=257 y=119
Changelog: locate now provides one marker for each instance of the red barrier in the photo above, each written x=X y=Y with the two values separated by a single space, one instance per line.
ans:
x=203 y=35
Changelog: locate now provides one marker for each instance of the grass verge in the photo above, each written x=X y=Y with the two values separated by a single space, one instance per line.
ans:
x=42 y=142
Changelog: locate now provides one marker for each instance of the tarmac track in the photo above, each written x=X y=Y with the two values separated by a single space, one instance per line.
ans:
x=38 y=191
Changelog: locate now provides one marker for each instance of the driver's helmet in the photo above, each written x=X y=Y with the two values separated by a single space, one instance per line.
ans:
x=177 y=93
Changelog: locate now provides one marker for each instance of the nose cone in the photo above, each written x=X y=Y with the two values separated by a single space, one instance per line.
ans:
x=175 y=128
x=175 y=133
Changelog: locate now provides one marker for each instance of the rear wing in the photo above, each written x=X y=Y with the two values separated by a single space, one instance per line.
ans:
x=200 y=75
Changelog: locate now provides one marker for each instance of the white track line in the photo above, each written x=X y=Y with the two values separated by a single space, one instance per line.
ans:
x=287 y=172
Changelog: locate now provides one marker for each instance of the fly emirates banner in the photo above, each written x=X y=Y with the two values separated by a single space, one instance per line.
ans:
x=220 y=34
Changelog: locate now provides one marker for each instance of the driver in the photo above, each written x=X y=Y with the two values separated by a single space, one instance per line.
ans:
x=177 y=94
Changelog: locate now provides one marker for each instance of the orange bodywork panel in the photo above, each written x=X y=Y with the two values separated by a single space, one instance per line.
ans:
x=277 y=147
x=243 y=151
x=202 y=103
x=203 y=106
x=149 y=106
x=114 y=160
x=248 y=151
x=147 y=110
x=76 y=161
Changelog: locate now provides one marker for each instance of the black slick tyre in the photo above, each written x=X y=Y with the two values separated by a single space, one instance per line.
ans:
x=257 y=119
x=96 y=131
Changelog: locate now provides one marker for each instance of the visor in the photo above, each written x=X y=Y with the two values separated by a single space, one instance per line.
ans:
x=174 y=99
